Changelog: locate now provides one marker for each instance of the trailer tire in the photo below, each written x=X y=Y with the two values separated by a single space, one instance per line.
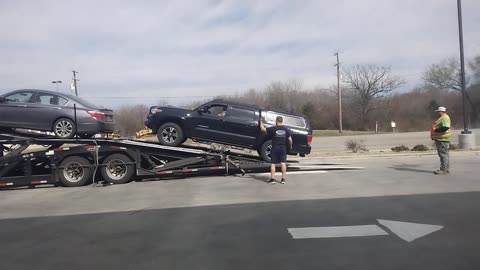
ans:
x=116 y=169
x=170 y=134
x=265 y=151
x=76 y=171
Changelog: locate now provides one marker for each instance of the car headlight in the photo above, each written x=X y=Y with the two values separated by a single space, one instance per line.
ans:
x=155 y=110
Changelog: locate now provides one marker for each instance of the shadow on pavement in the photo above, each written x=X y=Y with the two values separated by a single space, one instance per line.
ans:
x=410 y=168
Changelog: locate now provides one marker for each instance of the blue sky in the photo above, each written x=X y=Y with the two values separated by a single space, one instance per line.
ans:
x=152 y=49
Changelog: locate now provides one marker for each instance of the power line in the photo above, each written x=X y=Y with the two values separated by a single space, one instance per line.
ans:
x=144 y=97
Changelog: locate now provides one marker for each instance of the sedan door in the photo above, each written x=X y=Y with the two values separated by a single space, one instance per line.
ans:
x=14 y=111
x=46 y=109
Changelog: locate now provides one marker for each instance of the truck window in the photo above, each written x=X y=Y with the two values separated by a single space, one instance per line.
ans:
x=218 y=110
x=288 y=120
x=241 y=114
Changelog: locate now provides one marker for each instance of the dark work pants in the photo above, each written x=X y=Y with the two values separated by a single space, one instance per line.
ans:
x=442 y=148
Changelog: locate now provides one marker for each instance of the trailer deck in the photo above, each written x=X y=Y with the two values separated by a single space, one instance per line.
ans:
x=76 y=162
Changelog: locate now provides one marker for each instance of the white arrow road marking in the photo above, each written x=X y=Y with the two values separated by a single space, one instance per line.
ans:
x=331 y=232
x=405 y=230
x=409 y=231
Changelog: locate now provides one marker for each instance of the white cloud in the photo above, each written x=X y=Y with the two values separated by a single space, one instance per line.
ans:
x=192 y=48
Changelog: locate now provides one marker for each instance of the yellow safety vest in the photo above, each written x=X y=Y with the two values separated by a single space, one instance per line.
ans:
x=440 y=136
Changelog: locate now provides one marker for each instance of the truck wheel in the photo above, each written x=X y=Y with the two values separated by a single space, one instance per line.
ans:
x=64 y=128
x=116 y=169
x=170 y=134
x=265 y=151
x=76 y=171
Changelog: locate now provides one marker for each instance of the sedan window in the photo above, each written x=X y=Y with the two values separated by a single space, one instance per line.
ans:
x=19 y=97
x=48 y=99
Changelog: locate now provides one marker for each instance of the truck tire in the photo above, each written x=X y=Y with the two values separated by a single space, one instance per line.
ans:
x=75 y=172
x=265 y=151
x=116 y=169
x=170 y=134
x=64 y=128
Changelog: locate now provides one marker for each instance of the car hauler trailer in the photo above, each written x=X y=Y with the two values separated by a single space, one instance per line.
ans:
x=76 y=162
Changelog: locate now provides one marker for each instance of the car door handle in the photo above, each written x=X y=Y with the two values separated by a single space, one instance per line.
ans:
x=57 y=108
x=23 y=106
x=201 y=126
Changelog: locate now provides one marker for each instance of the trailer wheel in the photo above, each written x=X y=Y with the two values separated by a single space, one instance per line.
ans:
x=116 y=169
x=76 y=171
x=170 y=134
x=265 y=151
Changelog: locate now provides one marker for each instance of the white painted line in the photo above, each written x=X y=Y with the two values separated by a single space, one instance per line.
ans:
x=291 y=173
x=332 y=232
x=409 y=231
x=325 y=167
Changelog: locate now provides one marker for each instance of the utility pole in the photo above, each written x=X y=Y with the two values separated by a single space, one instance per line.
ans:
x=75 y=81
x=466 y=139
x=462 y=65
x=339 y=92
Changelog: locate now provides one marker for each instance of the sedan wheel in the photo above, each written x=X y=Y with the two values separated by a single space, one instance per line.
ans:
x=64 y=128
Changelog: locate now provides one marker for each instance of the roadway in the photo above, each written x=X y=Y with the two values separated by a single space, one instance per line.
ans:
x=243 y=223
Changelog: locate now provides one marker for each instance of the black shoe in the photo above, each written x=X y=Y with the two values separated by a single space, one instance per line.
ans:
x=271 y=181
x=441 y=172
x=283 y=181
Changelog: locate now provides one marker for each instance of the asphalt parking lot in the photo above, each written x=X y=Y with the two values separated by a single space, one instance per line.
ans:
x=393 y=214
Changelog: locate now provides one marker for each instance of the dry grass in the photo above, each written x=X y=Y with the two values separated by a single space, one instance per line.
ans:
x=334 y=133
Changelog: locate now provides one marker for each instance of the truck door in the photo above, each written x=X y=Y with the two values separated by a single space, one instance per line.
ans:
x=241 y=126
x=208 y=123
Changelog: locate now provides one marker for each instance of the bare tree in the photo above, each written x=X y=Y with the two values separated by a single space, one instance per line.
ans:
x=444 y=75
x=447 y=75
x=130 y=119
x=366 y=83
x=474 y=65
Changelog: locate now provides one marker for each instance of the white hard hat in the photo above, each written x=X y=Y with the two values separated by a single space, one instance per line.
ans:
x=441 y=109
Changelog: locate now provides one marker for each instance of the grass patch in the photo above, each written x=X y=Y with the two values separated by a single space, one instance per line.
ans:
x=420 y=148
x=356 y=146
x=335 y=133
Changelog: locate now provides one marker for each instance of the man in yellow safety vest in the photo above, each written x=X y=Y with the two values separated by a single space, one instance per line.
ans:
x=440 y=133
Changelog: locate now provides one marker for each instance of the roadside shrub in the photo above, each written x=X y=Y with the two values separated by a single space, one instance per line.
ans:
x=356 y=146
x=400 y=148
x=454 y=146
x=420 y=148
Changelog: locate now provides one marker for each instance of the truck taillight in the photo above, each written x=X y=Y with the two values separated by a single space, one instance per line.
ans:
x=309 y=139
x=97 y=115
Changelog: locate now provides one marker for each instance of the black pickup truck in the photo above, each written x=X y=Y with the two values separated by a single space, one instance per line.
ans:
x=226 y=123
